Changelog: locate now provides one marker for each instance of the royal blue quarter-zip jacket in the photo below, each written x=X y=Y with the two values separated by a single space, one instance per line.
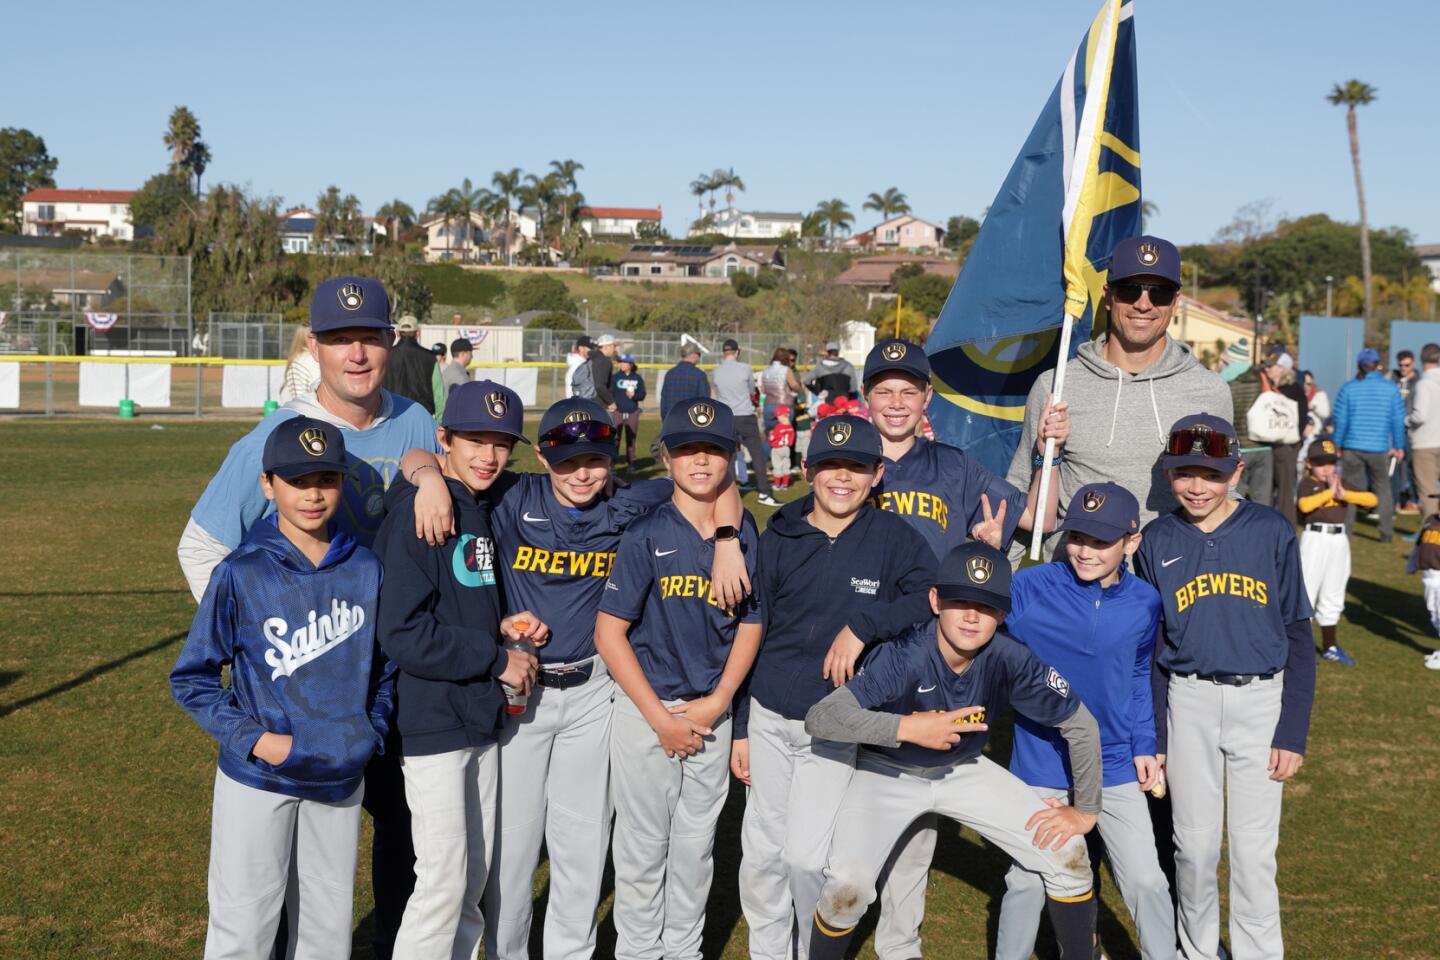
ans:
x=875 y=578
x=439 y=621
x=1102 y=642
x=300 y=643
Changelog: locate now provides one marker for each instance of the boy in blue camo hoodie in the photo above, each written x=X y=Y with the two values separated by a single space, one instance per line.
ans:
x=292 y=613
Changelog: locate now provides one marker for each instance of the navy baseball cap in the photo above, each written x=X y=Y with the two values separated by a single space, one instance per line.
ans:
x=975 y=571
x=1105 y=511
x=1368 y=356
x=576 y=427
x=301 y=445
x=1202 y=440
x=484 y=406
x=844 y=437
x=349 y=302
x=1144 y=257
x=699 y=421
x=894 y=355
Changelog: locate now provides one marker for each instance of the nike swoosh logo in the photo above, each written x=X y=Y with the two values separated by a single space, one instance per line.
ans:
x=925 y=689
x=1166 y=563
x=665 y=553
x=529 y=519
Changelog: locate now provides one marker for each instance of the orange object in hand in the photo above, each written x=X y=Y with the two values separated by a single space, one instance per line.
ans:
x=522 y=625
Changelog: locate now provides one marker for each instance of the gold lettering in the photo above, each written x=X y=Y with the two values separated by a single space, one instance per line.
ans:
x=557 y=561
x=1181 y=601
x=1247 y=591
x=522 y=558
x=1262 y=593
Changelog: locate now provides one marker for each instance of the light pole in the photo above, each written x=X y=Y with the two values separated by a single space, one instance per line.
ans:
x=1329 y=295
x=585 y=302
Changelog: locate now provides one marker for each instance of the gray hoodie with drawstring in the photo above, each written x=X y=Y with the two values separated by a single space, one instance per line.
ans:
x=1119 y=422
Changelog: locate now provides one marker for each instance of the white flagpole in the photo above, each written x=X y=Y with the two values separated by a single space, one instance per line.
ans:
x=1057 y=389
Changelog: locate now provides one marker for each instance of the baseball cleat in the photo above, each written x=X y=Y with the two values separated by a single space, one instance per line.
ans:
x=1337 y=653
x=1432 y=661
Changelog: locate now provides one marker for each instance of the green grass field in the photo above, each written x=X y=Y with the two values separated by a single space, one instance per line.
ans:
x=105 y=783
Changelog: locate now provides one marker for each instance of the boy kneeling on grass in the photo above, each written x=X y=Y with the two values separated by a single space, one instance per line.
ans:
x=440 y=621
x=919 y=709
x=292 y=612
x=679 y=656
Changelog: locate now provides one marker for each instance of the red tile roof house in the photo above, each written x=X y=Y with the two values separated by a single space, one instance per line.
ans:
x=616 y=221
x=49 y=212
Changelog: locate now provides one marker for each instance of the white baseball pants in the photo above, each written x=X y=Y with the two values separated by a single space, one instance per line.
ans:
x=255 y=836
x=1218 y=769
x=1430 y=580
x=666 y=810
x=1325 y=560
x=452 y=819
x=798 y=783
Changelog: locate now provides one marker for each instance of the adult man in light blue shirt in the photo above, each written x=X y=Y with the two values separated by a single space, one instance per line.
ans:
x=735 y=387
x=1370 y=430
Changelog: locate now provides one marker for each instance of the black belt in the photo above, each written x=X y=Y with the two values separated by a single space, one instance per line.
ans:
x=1326 y=527
x=563 y=678
x=1228 y=679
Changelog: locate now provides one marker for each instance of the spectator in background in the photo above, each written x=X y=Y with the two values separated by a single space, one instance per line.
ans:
x=1287 y=455
x=1257 y=480
x=1402 y=482
x=457 y=371
x=578 y=354
x=413 y=371
x=1369 y=430
x=735 y=387
x=628 y=388
x=684 y=381
x=779 y=384
x=1424 y=423
x=833 y=376
x=1318 y=400
x=602 y=369
x=439 y=350
x=302 y=372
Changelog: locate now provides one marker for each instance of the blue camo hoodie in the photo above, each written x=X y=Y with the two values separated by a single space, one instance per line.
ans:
x=875 y=578
x=300 y=643
x=1102 y=641
x=439 y=621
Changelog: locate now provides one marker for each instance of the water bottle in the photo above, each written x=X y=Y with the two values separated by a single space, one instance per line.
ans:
x=517 y=700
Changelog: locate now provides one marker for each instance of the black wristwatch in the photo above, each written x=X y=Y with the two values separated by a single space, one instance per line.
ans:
x=726 y=533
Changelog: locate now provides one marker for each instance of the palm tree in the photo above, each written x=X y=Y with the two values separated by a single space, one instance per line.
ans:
x=888 y=204
x=327 y=219
x=1148 y=209
x=445 y=205
x=539 y=194
x=400 y=215
x=180 y=137
x=699 y=187
x=566 y=170
x=1353 y=93
x=506 y=182
x=732 y=183
x=198 y=159
x=468 y=199
x=836 y=215
x=719 y=179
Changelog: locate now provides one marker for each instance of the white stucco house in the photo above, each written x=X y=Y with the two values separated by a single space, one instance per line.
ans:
x=49 y=212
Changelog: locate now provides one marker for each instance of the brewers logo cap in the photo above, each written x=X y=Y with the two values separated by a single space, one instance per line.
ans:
x=301 y=445
x=1323 y=451
x=897 y=356
x=1144 y=257
x=1202 y=440
x=699 y=421
x=349 y=302
x=975 y=571
x=484 y=406
x=1106 y=511
x=844 y=437
x=576 y=441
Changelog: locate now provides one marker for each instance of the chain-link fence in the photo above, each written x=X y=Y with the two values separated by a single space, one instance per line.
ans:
x=648 y=346
x=247 y=336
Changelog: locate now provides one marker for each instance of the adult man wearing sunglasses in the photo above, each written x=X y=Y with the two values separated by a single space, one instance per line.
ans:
x=1126 y=386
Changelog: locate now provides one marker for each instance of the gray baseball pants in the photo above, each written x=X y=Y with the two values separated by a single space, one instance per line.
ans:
x=1124 y=825
x=798 y=783
x=666 y=810
x=1218 y=768
x=255 y=835
x=1370 y=471
x=555 y=788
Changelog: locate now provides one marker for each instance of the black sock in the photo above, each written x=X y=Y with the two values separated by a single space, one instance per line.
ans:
x=827 y=943
x=1327 y=636
x=1074 y=923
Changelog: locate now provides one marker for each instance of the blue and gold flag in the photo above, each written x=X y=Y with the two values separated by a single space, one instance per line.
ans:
x=1044 y=248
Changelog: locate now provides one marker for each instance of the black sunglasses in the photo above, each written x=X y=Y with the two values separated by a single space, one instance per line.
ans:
x=581 y=431
x=1194 y=441
x=1161 y=294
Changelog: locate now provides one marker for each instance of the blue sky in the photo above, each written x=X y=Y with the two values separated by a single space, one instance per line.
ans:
x=806 y=100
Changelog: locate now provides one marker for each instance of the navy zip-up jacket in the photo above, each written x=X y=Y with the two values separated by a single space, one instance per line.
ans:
x=875 y=578
x=300 y=643
x=627 y=381
x=439 y=621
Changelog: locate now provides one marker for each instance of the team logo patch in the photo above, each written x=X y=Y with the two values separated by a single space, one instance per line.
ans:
x=576 y=416
x=1148 y=254
x=893 y=351
x=313 y=442
x=838 y=434
x=473 y=562
x=1134 y=524
x=1093 y=501
x=702 y=414
x=495 y=403
x=352 y=296
x=1327 y=447
x=979 y=569
x=1055 y=682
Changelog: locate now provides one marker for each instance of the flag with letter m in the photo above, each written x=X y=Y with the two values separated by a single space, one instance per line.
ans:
x=1044 y=248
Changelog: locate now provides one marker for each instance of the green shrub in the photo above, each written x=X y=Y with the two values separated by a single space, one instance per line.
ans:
x=471 y=288
x=555 y=321
x=744 y=284
x=540 y=292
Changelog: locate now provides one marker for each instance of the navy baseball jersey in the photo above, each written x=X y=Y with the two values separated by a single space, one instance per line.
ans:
x=937 y=489
x=555 y=559
x=1227 y=595
x=661 y=584
x=911 y=676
